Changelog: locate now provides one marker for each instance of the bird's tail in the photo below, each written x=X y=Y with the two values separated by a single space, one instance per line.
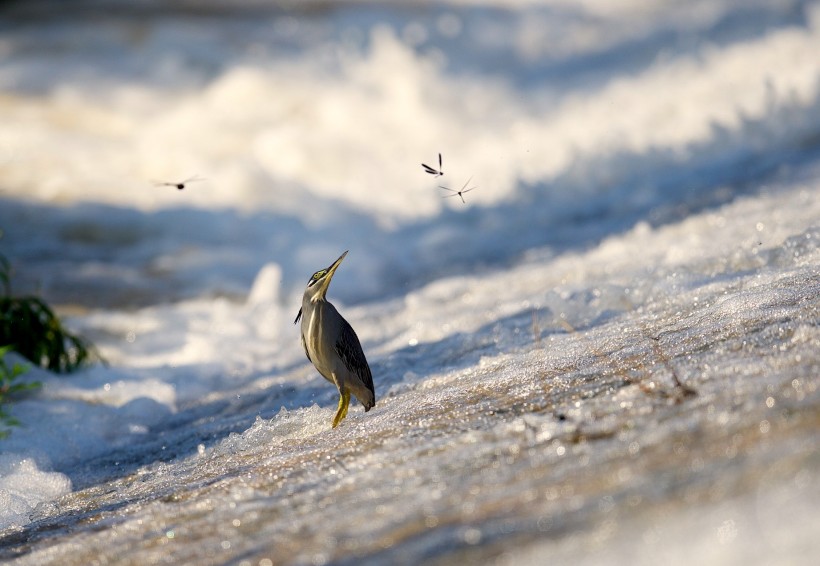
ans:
x=368 y=400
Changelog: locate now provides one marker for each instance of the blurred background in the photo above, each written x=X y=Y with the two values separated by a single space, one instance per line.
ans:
x=306 y=124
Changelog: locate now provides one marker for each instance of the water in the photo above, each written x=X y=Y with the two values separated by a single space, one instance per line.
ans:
x=609 y=353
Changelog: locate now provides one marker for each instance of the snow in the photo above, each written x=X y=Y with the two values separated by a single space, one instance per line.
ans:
x=646 y=211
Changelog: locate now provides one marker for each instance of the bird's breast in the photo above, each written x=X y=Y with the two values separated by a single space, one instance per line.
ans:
x=315 y=340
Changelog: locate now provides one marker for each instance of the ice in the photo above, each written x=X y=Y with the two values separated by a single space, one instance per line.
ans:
x=610 y=352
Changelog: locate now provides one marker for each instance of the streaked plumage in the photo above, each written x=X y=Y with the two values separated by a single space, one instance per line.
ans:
x=332 y=346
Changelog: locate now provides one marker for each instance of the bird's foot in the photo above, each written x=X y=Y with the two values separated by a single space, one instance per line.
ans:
x=341 y=412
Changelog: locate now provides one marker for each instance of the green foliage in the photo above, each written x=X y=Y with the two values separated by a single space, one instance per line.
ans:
x=31 y=328
x=8 y=387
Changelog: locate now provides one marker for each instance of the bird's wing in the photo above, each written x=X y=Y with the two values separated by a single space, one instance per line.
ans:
x=350 y=350
x=304 y=345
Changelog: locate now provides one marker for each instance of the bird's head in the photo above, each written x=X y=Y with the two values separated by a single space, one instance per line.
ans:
x=319 y=282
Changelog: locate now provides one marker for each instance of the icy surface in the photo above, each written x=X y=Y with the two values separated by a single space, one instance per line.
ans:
x=610 y=353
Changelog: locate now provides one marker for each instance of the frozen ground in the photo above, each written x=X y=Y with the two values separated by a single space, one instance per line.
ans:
x=609 y=354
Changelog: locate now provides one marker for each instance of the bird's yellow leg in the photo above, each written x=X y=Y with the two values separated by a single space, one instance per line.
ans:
x=344 y=403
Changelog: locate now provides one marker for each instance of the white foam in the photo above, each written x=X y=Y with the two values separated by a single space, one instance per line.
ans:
x=24 y=485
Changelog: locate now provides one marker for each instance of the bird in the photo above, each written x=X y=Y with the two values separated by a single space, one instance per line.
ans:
x=332 y=346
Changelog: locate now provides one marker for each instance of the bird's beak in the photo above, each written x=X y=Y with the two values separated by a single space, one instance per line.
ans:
x=330 y=271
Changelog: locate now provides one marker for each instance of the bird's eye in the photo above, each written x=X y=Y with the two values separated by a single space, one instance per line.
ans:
x=316 y=276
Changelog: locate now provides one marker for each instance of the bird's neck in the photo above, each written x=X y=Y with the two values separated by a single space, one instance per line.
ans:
x=314 y=299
